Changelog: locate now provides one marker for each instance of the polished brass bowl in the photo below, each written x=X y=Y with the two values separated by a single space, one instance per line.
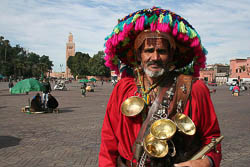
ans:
x=155 y=147
x=184 y=124
x=132 y=106
x=163 y=129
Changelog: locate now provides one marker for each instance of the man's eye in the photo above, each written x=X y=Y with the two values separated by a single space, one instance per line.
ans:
x=162 y=51
x=150 y=50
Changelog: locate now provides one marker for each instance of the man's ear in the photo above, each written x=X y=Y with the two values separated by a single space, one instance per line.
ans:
x=138 y=56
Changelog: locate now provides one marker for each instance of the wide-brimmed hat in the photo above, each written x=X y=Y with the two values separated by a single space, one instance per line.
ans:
x=189 y=55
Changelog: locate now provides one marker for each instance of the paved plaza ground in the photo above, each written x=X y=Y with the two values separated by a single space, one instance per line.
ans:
x=72 y=137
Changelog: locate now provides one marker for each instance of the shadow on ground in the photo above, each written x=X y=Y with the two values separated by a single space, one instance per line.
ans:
x=66 y=109
x=8 y=141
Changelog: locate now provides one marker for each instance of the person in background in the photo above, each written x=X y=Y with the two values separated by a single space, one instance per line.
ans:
x=52 y=103
x=36 y=103
x=47 y=89
x=11 y=85
x=83 y=89
x=236 y=89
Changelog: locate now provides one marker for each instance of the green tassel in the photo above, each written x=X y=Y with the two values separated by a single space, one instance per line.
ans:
x=129 y=20
x=121 y=25
x=188 y=31
x=204 y=50
x=170 y=19
x=146 y=19
x=152 y=19
x=115 y=60
x=125 y=41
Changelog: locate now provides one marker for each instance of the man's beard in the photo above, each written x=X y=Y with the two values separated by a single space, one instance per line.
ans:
x=154 y=74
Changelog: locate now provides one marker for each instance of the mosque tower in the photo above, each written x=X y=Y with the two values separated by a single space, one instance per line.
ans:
x=70 y=51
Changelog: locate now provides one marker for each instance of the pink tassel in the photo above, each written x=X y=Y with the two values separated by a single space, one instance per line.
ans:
x=108 y=63
x=201 y=59
x=186 y=38
x=180 y=37
x=108 y=43
x=139 y=26
x=121 y=36
x=153 y=26
x=166 y=28
x=196 y=71
x=195 y=42
x=106 y=58
x=115 y=40
x=175 y=29
x=129 y=28
x=159 y=27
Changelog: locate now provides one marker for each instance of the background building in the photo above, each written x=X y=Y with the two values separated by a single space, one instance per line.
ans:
x=215 y=73
x=70 y=51
x=240 y=68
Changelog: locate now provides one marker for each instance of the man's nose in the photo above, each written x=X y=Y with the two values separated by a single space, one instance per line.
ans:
x=155 y=55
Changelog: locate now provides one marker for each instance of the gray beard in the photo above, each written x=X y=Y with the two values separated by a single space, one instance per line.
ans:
x=153 y=74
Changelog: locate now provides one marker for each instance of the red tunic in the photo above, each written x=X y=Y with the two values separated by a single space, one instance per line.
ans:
x=119 y=132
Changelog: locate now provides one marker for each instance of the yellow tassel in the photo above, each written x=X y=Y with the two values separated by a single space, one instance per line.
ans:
x=192 y=33
x=170 y=19
x=116 y=30
x=135 y=17
x=161 y=18
x=182 y=28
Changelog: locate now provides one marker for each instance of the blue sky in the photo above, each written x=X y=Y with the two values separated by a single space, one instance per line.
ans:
x=43 y=26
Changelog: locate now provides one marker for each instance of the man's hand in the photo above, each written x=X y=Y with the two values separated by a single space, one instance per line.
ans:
x=195 y=163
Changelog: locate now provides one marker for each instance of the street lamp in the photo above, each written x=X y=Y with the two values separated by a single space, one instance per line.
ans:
x=61 y=65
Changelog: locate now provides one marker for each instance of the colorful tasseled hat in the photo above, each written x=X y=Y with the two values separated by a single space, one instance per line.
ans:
x=189 y=56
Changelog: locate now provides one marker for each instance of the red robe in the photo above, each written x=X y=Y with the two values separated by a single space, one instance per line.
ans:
x=119 y=132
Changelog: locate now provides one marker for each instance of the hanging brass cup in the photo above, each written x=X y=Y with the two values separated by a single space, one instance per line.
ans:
x=163 y=129
x=155 y=147
x=132 y=106
x=184 y=124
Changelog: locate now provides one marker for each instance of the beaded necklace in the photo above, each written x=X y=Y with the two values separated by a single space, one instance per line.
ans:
x=145 y=93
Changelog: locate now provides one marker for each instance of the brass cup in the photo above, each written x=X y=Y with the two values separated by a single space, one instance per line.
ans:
x=155 y=147
x=163 y=129
x=185 y=124
x=132 y=106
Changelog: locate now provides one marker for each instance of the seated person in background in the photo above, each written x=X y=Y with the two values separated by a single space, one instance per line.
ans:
x=36 y=103
x=51 y=103
x=236 y=89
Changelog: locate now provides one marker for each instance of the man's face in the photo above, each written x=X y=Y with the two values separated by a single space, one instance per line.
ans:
x=155 y=55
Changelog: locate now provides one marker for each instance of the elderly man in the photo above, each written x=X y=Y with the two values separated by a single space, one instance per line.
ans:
x=155 y=48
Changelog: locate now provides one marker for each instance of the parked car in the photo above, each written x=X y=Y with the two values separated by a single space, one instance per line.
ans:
x=231 y=82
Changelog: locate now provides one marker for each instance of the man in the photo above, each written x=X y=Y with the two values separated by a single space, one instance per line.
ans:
x=47 y=89
x=36 y=103
x=52 y=103
x=11 y=85
x=236 y=89
x=156 y=46
x=83 y=89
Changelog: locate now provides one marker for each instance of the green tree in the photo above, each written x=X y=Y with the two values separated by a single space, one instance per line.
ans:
x=17 y=62
x=78 y=64
x=96 y=65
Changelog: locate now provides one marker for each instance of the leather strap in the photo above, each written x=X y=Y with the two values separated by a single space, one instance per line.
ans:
x=182 y=92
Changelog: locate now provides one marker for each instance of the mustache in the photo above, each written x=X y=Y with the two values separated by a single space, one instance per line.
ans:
x=159 y=63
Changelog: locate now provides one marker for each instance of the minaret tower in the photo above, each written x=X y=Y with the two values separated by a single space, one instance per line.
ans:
x=70 y=51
